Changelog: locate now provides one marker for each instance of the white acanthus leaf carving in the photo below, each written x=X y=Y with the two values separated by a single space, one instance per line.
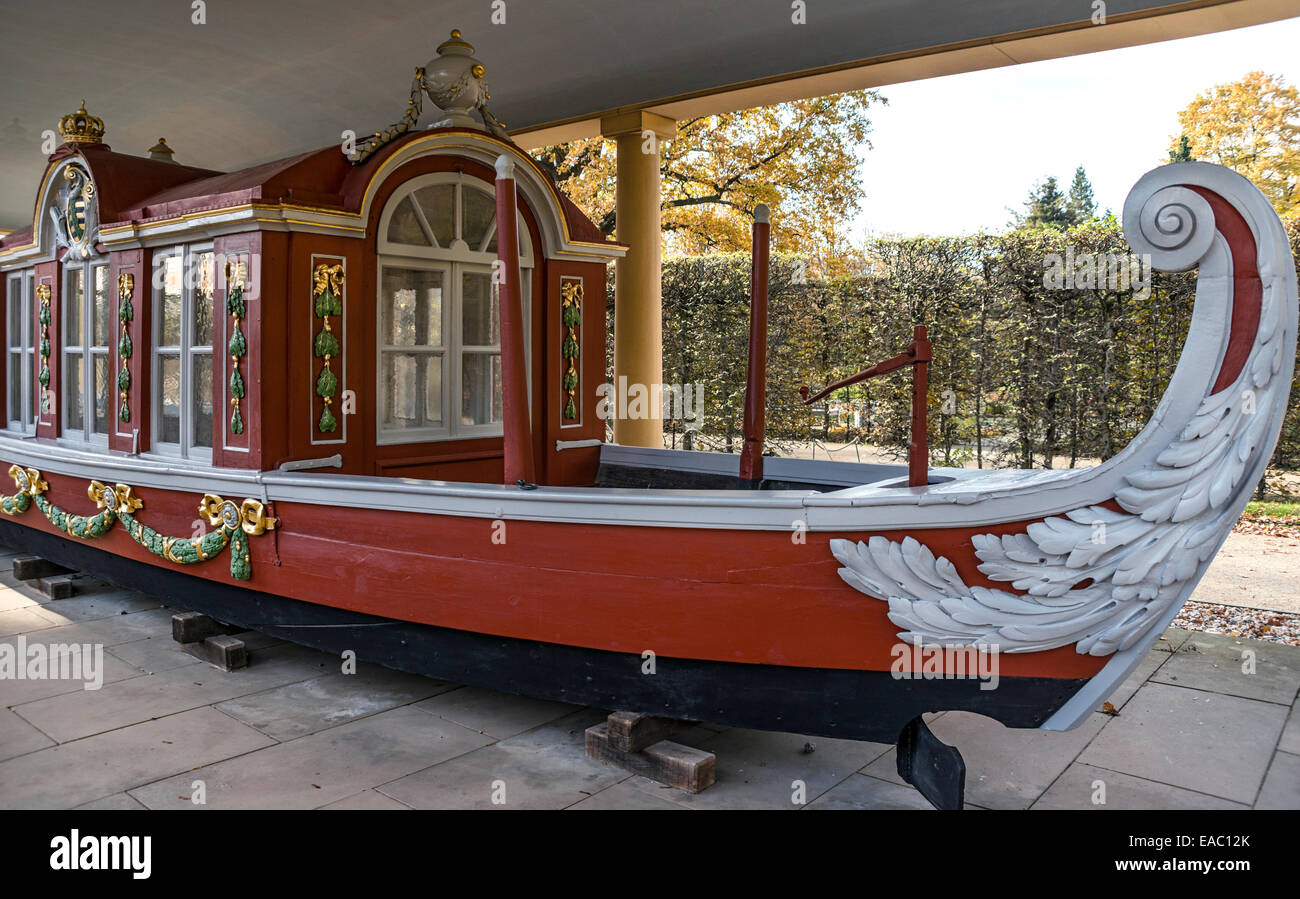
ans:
x=1096 y=577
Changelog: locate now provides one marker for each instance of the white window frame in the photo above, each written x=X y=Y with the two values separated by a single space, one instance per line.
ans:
x=454 y=261
x=186 y=350
x=20 y=288
x=84 y=431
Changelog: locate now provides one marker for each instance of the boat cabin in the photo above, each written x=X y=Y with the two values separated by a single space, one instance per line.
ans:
x=317 y=311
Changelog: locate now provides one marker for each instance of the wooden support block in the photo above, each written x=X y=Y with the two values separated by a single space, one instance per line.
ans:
x=633 y=732
x=29 y=568
x=667 y=762
x=194 y=627
x=59 y=586
x=223 y=651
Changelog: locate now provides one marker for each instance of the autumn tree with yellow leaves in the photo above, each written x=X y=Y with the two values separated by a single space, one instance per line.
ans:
x=800 y=158
x=1253 y=127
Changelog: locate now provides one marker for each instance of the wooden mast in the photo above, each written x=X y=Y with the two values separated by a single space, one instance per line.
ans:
x=751 y=453
x=518 y=440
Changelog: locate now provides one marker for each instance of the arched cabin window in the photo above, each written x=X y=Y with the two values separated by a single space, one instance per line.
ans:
x=439 y=325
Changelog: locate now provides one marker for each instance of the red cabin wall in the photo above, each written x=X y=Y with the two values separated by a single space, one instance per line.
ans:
x=290 y=367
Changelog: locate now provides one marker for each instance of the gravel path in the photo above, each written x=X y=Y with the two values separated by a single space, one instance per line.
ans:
x=1252 y=588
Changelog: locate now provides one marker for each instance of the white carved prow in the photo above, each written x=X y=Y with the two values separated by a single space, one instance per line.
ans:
x=1104 y=579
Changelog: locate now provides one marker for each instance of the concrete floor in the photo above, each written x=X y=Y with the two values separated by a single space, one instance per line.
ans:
x=292 y=731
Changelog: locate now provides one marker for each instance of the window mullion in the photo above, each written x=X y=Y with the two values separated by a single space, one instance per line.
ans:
x=423 y=222
x=88 y=351
x=186 y=362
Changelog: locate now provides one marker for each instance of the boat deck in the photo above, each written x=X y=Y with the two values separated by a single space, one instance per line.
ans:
x=291 y=731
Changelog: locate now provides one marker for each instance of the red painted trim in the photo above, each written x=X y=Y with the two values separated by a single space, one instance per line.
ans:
x=1247 y=287
x=751 y=452
x=519 y=463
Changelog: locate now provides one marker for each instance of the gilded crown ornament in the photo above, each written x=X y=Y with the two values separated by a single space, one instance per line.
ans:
x=81 y=127
x=456 y=82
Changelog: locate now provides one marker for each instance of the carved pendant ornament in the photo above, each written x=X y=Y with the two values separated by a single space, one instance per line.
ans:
x=571 y=319
x=237 y=346
x=233 y=523
x=125 y=313
x=327 y=300
x=43 y=317
x=1102 y=578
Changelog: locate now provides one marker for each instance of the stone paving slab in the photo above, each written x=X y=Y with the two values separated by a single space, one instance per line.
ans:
x=1149 y=665
x=114 y=629
x=26 y=620
x=69 y=716
x=863 y=792
x=368 y=800
x=1215 y=662
x=1005 y=767
x=499 y=715
x=15 y=692
x=625 y=796
x=323 y=767
x=1290 y=740
x=762 y=770
x=1202 y=741
x=1078 y=787
x=85 y=770
x=305 y=707
x=118 y=802
x=102 y=601
x=17 y=737
x=12 y=597
x=1281 y=787
x=545 y=768
x=153 y=654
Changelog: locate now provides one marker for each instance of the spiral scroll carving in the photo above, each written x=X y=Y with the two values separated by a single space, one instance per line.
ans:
x=1174 y=225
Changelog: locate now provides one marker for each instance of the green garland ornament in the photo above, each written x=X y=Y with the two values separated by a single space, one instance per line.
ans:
x=327 y=300
x=233 y=523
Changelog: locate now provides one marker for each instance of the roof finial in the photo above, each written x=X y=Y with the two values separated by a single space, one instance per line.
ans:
x=161 y=152
x=81 y=127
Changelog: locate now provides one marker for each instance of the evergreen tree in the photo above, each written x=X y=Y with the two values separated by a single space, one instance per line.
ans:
x=1046 y=206
x=1081 y=206
x=1184 y=151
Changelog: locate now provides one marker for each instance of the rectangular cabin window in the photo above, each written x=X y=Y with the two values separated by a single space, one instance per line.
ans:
x=439 y=353
x=184 y=286
x=21 y=352
x=87 y=362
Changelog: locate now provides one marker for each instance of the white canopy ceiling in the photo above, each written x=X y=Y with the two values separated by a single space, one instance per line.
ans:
x=261 y=80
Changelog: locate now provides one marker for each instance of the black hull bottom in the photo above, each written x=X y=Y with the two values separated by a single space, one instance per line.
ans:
x=857 y=705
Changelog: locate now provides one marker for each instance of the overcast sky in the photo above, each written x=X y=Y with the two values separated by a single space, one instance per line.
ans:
x=950 y=154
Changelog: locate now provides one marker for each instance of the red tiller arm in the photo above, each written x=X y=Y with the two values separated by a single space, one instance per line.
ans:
x=918 y=355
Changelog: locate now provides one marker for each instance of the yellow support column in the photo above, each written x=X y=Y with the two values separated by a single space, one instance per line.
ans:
x=638 y=302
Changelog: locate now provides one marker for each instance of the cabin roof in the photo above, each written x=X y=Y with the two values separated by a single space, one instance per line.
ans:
x=136 y=190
